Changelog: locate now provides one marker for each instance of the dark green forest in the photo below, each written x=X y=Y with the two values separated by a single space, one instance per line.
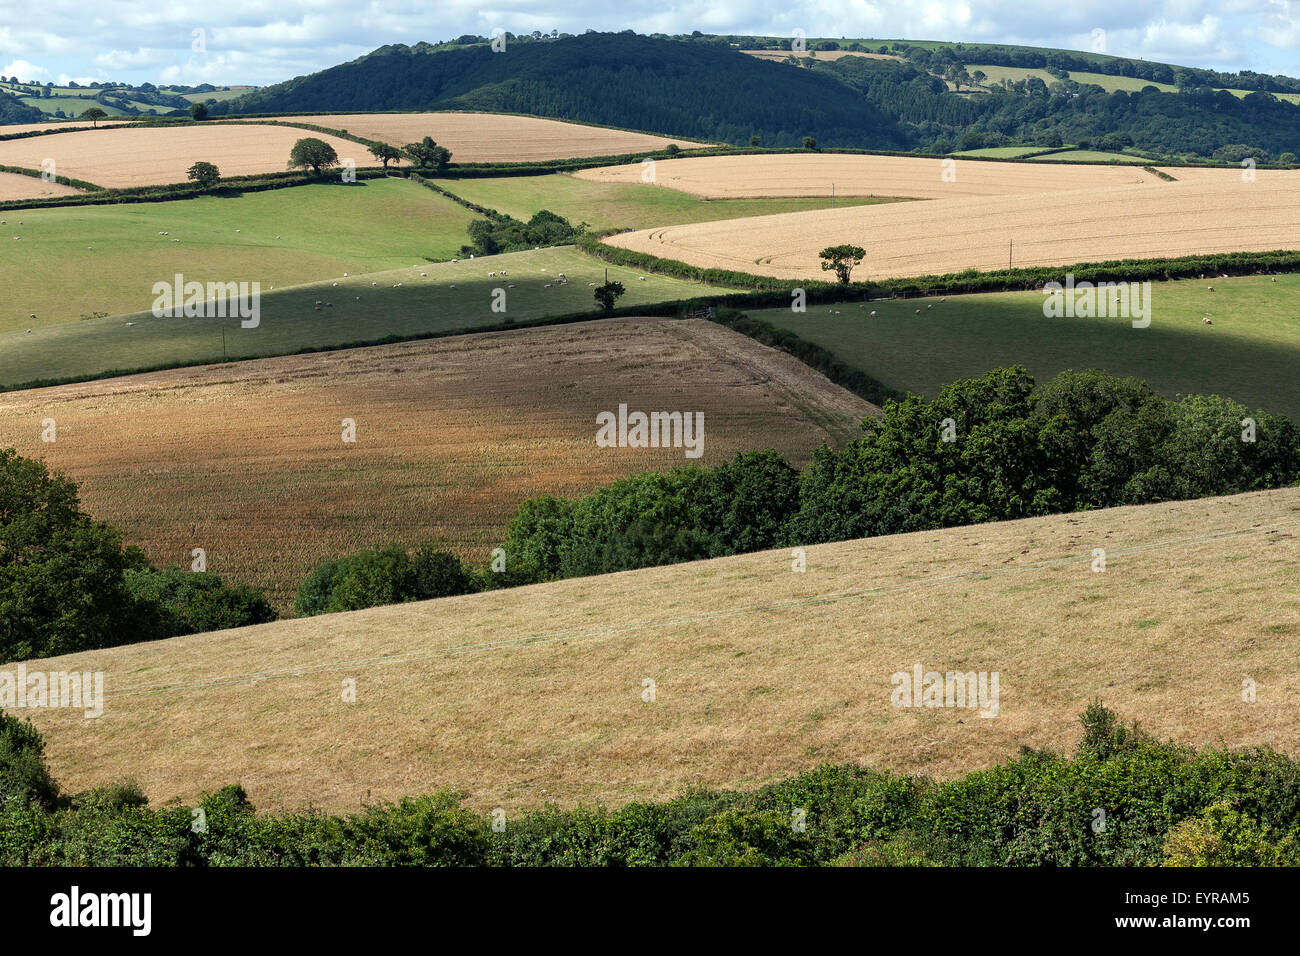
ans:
x=703 y=87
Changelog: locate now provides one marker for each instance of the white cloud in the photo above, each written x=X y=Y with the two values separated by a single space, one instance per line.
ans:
x=25 y=71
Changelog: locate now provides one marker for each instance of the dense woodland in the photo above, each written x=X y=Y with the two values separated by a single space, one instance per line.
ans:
x=702 y=87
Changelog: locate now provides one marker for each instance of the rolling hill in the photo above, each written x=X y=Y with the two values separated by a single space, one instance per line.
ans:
x=528 y=696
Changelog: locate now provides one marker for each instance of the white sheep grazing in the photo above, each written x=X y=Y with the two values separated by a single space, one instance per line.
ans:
x=918 y=311
x=33 y=315
x=318 y=301
x=336 y=285
x=236 y=230
x=453 y=287
x=547 y=286
x=424 y=275
x=129 y=324
x=345 y=275
x=640 y=278
x=29 y=331
x=374 y=283
x=873 y=312
x=1211 y=288
x=510 y=286
x=1206 y=320
x=492 y=275
x=929 y=307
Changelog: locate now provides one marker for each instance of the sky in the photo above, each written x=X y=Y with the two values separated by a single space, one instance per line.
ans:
x=261 y=42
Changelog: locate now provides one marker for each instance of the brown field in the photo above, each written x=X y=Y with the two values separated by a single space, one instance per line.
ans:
x=145 y=156
x=494 y=137
x=948 y=235
x=246 y=460
x=17 y=186
x=802 y=174
x=534 y=695
x=820 y=54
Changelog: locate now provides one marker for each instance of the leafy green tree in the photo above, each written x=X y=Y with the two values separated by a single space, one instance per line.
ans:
x=841 y=260
x=62 y=586
x=198 y=111
x=24 y=775
x=427 y=154
x=314 y=153
x=378 y=576
x=607 y=293
x=94 y=114
x=205 y=175
x=178 y=602
x=385 y=153
x=809 y=142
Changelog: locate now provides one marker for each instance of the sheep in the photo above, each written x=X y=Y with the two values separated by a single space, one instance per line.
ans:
x=918 y=311
x=345 y=275
x=929 y=307
x=873 y=313
x=33 y=315
x=1211 y=288
x=374 y=283
x=129 y=324
x=318 y=301
x=510 y=286
x=492 y=275
x=547 y=286
x=336 y=285
x=453 y=287
x=1206 y=320
x=236 y=230
x=424 y=275
x=277 y=237
x=29 y=331
x=640 y=278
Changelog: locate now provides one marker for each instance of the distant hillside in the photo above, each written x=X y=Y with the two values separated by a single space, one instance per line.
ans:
x=14 y=110
x=690 y=89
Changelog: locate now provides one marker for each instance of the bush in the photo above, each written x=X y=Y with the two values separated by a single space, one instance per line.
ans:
x=1221 y=835
x=24 y=777
x=379 y=576
x=175 y=602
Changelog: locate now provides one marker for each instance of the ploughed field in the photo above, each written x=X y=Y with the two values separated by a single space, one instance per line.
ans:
x=247 y=460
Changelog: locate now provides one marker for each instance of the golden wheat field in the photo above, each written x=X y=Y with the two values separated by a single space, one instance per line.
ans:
x=528 y=696
x=452 y=434
x=16 y=128
x=17 y=186
x=146 y=156
x=812 y=174
x=948 y=235
x=494 y=137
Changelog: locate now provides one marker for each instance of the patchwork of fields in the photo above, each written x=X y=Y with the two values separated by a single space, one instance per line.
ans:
x=451 y=435
x=533 y=696
x=18 y=186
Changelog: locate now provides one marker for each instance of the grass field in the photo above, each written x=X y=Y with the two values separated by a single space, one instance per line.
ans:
x=996 y=74
x=534 y=696
x=145 y=156
x=1000 y=152
x=1090 y=156
x=1249 y=353
x=618 y=205
x=948 y=235
x=452 y=435
x=78 y=260
x=805 y=174
x=363 y=307
x=494 y=137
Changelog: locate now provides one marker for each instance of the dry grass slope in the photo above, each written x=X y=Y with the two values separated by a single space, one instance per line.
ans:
x=534 y=695
x=452 y=434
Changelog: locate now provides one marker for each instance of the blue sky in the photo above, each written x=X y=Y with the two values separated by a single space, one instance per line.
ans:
x=265 y=41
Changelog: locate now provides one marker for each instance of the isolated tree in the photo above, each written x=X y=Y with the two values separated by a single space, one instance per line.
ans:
x=755 y=140
x=809 y=142
x=198 y=111
x=385 y=153
x=94 y=114
x=979 y=76
x=672 y=149
x=608 y=293
x=841 y=260
x=204 y=174
x=427 y=154
x=313 y=152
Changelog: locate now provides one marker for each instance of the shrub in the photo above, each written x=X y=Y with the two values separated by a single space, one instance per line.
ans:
x=379 y=576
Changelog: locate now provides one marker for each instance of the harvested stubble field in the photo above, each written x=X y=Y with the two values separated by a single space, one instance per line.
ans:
x=64 y=125
x=494 y=137
x=812 y=174
x=949 y=235
x=150 y=156
x=818 y=54
x=451 y=435
x=18 y=186
x=523 y=697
